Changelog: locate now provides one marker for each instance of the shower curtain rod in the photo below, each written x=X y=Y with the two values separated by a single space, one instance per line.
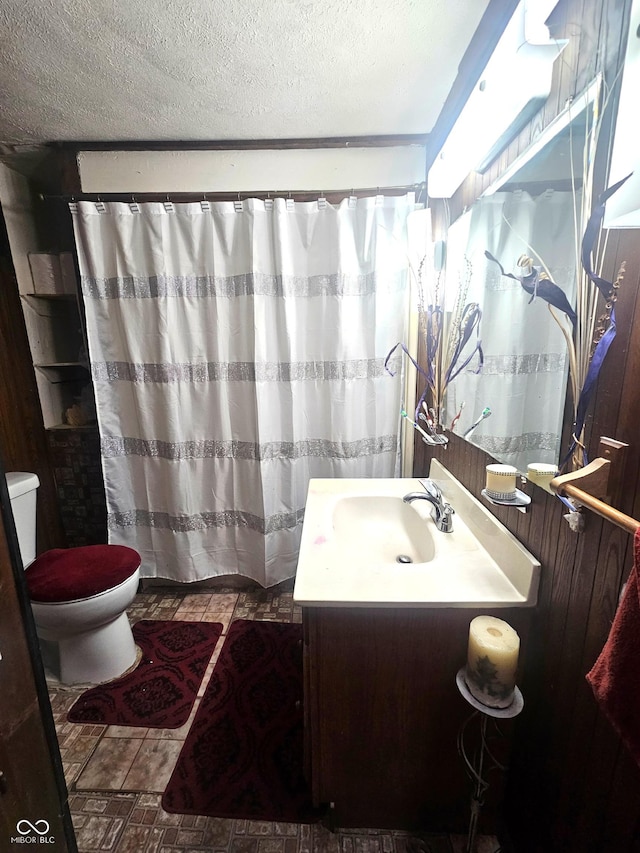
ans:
x=299 y=195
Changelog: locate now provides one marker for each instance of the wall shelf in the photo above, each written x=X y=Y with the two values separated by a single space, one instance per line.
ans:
x=56 y=339
x=70 y=297
x=82 y=427
x=64 y=371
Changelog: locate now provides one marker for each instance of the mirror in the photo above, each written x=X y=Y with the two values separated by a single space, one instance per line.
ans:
x=533 y=210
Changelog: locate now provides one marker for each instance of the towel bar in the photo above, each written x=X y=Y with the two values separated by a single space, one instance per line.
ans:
x=599 y=507
x=598 y=478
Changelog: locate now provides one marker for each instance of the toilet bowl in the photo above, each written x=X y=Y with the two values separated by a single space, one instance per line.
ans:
x=93 y=635
x=78 y=596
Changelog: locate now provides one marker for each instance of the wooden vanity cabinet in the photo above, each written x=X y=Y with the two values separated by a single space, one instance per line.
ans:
x=382 y=714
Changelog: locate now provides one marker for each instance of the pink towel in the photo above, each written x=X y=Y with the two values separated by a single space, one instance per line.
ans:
x=615 y=677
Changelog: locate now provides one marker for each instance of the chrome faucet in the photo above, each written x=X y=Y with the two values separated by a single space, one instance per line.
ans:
x=442 y=510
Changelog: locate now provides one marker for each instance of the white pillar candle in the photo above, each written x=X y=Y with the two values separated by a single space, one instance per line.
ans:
x=501 y=481
x=492 y=661
x=541 y=474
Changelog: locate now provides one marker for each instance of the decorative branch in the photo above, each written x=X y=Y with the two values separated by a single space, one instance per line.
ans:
x=585 y=361
x=451 y=345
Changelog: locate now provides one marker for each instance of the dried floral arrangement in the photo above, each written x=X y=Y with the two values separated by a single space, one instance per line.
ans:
x=451 y=343
x=591 y=334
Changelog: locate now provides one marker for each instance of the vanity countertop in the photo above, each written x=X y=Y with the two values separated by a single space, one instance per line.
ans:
x=354 y=527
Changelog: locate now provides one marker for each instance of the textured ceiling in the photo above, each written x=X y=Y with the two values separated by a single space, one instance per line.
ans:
x=101 y=70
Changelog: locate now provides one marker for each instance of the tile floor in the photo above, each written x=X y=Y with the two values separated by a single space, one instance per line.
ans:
x=116 y=774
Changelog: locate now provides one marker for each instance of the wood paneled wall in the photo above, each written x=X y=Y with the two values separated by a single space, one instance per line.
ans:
x=572 y=786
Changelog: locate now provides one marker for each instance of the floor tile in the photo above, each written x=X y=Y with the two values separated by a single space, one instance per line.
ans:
x=71 y=771
x=222 y=616
x=152 y=766
x=80 y=749
x=172 y=734
x=112 y=835
x=224 y=603
x=133 y=839
x=197 y=602
x=126 y=731
x=91 y=834
x=182 y=614
x=109 y=764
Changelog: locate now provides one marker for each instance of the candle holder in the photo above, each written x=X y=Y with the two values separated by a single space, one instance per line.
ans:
x=521 y=501
x=483 y=761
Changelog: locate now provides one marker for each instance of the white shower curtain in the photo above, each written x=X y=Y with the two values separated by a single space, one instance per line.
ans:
x=237 y=349
x=524 y=377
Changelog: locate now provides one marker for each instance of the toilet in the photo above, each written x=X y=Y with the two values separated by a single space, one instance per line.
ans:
x=79 y=596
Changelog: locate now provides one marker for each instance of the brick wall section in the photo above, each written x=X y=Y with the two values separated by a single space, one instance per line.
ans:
x=75 y=458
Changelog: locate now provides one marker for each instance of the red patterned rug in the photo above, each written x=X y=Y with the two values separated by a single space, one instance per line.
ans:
x=161 y=690
x=243 y=756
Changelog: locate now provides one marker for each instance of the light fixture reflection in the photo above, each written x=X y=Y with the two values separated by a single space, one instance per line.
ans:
x=514 y=85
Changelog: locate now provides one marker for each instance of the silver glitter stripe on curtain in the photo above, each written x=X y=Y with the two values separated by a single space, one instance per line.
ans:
x=205 y=520
x=510 y=365
x=239 y=371
x=211 y=449
x=246 y=284
x=500 y=445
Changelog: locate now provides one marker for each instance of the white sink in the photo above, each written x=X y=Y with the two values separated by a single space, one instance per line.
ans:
x=362 y=545
x=381 y=528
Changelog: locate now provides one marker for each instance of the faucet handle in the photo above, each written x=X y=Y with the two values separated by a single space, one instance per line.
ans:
x=445 y=521
x=430 y=487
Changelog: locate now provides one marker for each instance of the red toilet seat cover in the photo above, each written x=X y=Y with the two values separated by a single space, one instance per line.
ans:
x=66 y=574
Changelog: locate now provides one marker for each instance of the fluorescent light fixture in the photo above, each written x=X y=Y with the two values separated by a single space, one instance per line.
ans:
x=589 y=96
x=514 y=86
x=623 y=208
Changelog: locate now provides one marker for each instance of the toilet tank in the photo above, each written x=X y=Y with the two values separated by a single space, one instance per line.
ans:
x=22 y=488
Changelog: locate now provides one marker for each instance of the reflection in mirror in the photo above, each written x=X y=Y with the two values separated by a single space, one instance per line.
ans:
x=535 y=212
